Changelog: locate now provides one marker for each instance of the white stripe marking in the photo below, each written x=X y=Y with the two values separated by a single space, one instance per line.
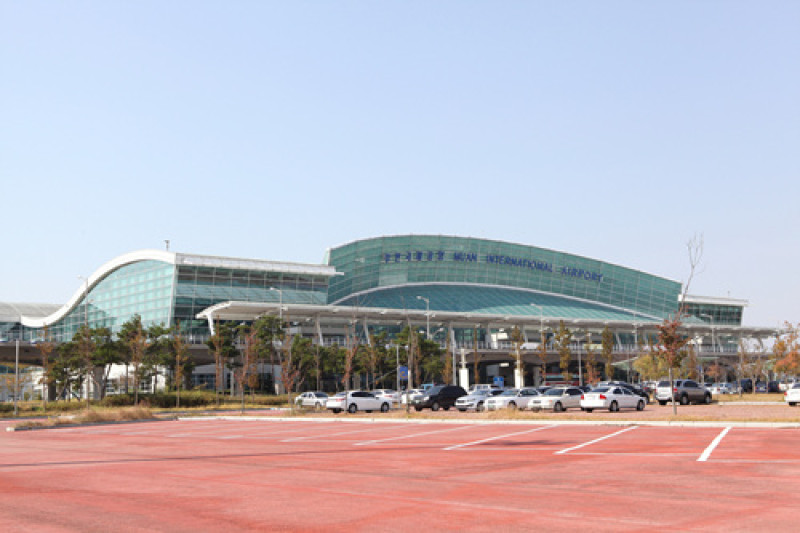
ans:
x=368 y=442
x=496 y=437
x=325 y=436
x=565 y=450
x=714 y=443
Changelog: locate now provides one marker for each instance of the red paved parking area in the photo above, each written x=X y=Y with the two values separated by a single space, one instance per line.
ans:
x=273 y=475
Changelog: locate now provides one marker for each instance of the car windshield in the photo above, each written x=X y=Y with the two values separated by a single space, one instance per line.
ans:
x=600 y=389
x=434 y=390
x=481 y=392
x=555 y=392
x=663 y=383
x=320 y=395
x=796 y=386
x=510 y=392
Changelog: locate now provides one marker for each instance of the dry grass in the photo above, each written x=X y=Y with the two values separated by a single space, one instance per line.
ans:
x=90 y=417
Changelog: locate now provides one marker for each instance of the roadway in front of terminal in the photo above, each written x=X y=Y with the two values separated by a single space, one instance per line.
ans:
x=324 y=475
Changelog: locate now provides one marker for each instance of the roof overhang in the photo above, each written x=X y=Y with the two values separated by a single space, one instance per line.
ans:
x=335 y=314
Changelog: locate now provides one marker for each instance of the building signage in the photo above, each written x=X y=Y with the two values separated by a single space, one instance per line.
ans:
x=495 y=259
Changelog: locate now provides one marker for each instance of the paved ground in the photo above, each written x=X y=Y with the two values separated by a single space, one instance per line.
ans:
x=332 y=475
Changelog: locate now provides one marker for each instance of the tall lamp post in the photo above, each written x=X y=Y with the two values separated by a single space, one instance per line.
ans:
x=427 y=316
x=541 y=335
x=16 y=379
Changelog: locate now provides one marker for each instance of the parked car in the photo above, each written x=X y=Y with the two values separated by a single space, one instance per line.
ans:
x=558 y=399
x=512 y=399
x=388 y=394
x=409 y=395
x=443 y=396
x=357 y=401
x=722 y=388
x=315 y=399
x=482 y=386
x=792 y=396
x=638 y=391
x=684 y=391
x=475 y=400
x=613 y=398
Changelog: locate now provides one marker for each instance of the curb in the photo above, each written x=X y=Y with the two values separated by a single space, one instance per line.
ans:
x=623 y=423
x=90 y=424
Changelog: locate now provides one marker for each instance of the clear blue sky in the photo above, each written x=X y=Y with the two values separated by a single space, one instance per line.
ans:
x=274 y=130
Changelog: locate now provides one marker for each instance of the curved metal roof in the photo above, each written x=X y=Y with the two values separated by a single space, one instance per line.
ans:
x=14 y=311
x=37 y=320
x=97 y=276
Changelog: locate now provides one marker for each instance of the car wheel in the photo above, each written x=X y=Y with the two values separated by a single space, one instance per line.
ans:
x=512 y=406
x=707 y=399
x=480 y=407
x=446 y=408
x=336 y=410
x=352 y=408
x=462 y=410
x=684 y=400
x=792 y=404
x=558 y=407
x=662 y=402
x=589 y=409
x=317 y=406
x=640 y=405
x=614 y=407
x=418 y=409
x=435 y=406
x=384 y=407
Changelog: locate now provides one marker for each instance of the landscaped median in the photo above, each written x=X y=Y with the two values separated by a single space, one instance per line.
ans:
x=91 y=416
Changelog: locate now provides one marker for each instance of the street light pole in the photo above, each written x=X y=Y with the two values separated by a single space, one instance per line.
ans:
x=541 y=337
x=16 y=379
x=427 y=316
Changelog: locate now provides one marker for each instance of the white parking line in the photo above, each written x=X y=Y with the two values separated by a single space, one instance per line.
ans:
x=368 y=442
x=326 y=435
x=496 y=437
x=714 y=443
x=565 y=450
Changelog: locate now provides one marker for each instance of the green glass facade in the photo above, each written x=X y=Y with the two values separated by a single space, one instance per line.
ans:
x=166 y=293
x=201 y=287
x=722 y=315
x=386 y=263
x=143 y=288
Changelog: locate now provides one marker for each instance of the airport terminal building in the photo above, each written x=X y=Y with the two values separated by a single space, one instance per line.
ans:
x=465 y=293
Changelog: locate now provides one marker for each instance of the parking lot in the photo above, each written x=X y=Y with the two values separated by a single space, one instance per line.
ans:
x=355 y=475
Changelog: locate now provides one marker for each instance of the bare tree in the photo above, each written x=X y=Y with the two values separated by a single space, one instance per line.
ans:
x=671 y=341
x=46 y=348
x=607 y=346
x=181 y=350
x=592 y=376
x=561 y=340
x=517 y=339
x=476 y=358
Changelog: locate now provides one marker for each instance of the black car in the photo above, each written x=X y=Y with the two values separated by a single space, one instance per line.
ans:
x=638 y=391
x=443 y=396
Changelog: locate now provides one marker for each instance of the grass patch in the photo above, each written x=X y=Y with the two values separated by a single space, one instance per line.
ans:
x=750 y=397
x=91 y=416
